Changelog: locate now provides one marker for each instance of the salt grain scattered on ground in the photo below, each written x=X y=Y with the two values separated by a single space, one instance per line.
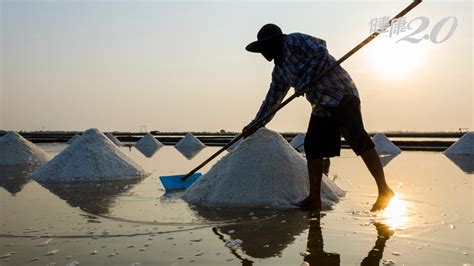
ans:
x=93 y=157
x=264 y=170
x=16 y=150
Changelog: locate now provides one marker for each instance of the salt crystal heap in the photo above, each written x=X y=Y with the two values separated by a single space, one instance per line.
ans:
x=148 y=145
x=189 y=141
x=264 y=170
x=298 y=142
x=16 y=150
x=92 y=157
x=464 y=146
x=189 y=146
x=115 y=140
x=384 y=146
x=461 y=153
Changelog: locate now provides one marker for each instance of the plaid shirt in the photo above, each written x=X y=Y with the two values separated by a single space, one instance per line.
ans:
x=304 y=57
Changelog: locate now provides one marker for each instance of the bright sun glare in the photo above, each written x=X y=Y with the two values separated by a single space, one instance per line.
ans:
x=395 y=60
x=395 y=215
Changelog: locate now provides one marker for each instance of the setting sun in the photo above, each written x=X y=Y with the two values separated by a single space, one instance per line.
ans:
x=395 y=60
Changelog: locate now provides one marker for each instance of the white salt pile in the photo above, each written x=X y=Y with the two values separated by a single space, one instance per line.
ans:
x=148 y=145
x=71 y=140
x=115 y=140
x=92 y=157
x=16 y=150
x=384 y=146
x=298 y=142
x=235 y=145
x=189 y=141
x=264 y=170
x=464 y=146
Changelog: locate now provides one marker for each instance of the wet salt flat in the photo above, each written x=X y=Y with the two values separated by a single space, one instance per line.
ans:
x=127 y=222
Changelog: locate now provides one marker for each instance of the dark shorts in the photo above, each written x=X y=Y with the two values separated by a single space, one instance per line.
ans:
x=323 y=138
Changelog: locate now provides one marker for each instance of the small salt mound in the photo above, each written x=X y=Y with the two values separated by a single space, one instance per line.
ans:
x=71 y=140
x=298 y=142
x=16 y=150
x=384 y=146
x=264 y=170
x=148 y=140
x=189 y=141
x=464 y=146
x=92 y=157
x=115 y=140
x=148 y=145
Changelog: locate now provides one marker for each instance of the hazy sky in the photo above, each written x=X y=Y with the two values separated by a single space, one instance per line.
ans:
x=117 y=65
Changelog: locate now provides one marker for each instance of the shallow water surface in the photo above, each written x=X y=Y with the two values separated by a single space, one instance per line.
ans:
x=120 y=223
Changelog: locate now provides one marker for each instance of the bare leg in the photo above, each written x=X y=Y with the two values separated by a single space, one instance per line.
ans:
x=315 y=172
x=372 y=161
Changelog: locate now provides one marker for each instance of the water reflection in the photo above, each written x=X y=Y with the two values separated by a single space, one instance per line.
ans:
x=376 y=253
x=264 y=233
x=14 y=178
x=92 y=197
x=385 y=159
x=315 y=254
x=189 y=152
x=464 y=162
x=148 y=151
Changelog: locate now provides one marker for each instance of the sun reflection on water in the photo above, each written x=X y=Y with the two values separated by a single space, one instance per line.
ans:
x=396 y=213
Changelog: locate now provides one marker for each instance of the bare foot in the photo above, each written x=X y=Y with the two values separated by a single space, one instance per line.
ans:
x=310 y=203
x=382 y=200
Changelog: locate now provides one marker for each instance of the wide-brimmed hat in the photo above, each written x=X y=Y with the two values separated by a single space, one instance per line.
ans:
x=267 y=32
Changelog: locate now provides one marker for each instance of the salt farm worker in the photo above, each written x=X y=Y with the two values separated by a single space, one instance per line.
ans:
x=298 y=58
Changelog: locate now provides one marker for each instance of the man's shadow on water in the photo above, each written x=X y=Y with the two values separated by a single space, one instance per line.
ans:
x=315 y=254
x=315 y=245
x=376 y=253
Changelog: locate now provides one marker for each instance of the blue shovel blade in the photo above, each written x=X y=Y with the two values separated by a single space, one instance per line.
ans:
x=174 y=182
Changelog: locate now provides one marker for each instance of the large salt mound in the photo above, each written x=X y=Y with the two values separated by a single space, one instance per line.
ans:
x=264 y=170
x=148 y=145
x=73 y=138
x=189 y=141
x=384 y=146
x=115 y=140
x=235 y=145
x=298 y=142
x=16 y=150
x=92 y=157
x=464 y=146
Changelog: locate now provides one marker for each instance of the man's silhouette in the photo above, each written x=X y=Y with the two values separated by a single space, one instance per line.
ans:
x=298 y=58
